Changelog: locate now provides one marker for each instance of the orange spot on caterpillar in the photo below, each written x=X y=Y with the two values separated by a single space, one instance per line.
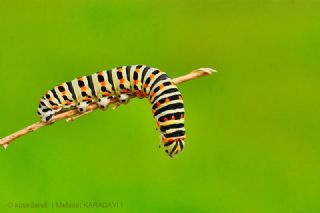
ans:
x=180 y=97
x=119 y=69
x=152 y=76
x=136 y=81
x=153 y=93
x=167 y=100
x=169 y=140
x=158 y=104
x=103 y=83
x=106 y=94
x=182 y=116
x=84 y=88
x=122 y=81
x=165 y=119
x=138 y=92
x=146 y=85
x=172 y=117
x=161 y=86
x=125 y=90
x=55 y=107
x=87 y=99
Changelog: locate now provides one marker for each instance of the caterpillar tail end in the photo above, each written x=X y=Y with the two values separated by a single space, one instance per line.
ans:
x=174 y=148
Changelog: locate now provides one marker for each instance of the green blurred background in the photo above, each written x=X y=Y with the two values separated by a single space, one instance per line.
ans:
x=253 y=128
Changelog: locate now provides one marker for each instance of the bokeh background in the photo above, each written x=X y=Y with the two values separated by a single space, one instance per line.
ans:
x=253 y=128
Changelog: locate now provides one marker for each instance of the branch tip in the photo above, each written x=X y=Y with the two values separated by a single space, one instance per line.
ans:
x=208 y=71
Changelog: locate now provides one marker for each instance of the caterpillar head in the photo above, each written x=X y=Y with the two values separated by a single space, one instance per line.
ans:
x=173 y=148
x=45 y=113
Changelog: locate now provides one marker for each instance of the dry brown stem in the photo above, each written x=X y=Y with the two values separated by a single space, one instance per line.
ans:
x=71 y=115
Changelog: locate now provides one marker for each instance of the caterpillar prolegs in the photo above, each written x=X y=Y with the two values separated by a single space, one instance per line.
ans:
x=121 y=83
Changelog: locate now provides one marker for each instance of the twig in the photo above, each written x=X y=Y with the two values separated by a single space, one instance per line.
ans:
x=70 y=115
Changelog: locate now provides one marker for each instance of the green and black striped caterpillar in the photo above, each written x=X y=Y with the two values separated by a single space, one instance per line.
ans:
x=122 y=82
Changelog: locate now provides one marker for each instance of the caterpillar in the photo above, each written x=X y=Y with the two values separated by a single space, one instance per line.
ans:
x=122 y=82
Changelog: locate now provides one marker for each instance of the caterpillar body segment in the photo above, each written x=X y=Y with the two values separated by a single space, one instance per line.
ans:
x=121 y=83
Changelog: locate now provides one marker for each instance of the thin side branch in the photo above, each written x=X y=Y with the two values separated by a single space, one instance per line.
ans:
x=70 y=115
